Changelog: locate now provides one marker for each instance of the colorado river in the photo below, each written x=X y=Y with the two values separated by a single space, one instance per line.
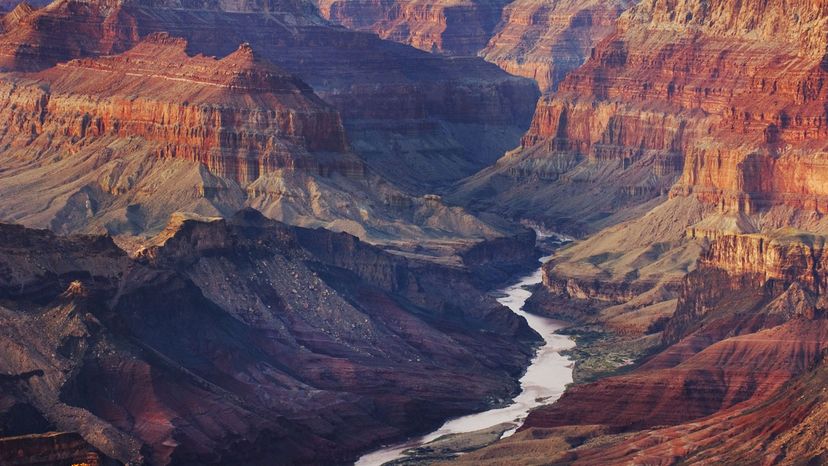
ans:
x=543 y=383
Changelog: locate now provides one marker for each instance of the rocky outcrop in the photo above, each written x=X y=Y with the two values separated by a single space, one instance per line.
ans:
x=546 y=41
x=749 y=323
x=243 y=339
x=442 y=119
x=543 y=41
x=600 y=161
x=694 y=92
x=237 y=116
x=50 y=448
x=119 y=143
x=787 y=265
x=450 y=26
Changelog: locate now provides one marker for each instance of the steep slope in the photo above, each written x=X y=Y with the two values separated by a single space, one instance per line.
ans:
x=406 y=111
x=546 y=40
x=454 y=27
x=119 y=143
x=244 y=341
x=691 y=120
x=724 y=98
x=749 y=329
x=541 y=40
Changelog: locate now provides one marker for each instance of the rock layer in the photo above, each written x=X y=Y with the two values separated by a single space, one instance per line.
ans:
x=455 y=27
x=546 y=41
x=119 y=143
x=749 y=322
x=442 y=118
x=691 y=92
x=239 y=117
x=245 y=340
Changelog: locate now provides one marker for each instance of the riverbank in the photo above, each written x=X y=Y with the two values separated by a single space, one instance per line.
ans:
x=544 y=381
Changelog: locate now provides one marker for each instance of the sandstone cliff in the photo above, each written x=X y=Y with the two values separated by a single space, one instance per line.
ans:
x=691 y=92
x=441 y=118
x=546 y=41
x=121 y=142
x=748 y=328
x=455 y=27
x=687 y=101
x=238 y=116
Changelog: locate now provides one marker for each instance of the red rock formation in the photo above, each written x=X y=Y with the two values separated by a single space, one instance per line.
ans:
x=545 y=41
x=117 y=143
x=243 y=341
x=729 y=95
x=448 y=26
x=238 y=116
x=51 y=448
x=750 y=321
x=756 y=98
x=455 y=114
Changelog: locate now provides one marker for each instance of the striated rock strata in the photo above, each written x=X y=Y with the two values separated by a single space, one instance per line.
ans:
x=406 y=111
x=244 y=340
x=725 y=99
x=546 y=40
x=455 y=27
x=238 y=116
x=749 y=324
x=119 y=143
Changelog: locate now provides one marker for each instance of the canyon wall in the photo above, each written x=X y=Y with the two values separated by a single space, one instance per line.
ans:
x=441 y=118
x=244 y=340
x=749 y=322
x=543 y=41
x=688 y=93
x=193 y=108
x=118 y=117
x=448 y=26
x=716 y=270
x=687 y=113
x=546 y=41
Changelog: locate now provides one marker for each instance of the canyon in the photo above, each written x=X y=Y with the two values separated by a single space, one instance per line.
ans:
x=443 y=119
x=686 y=153
x=259 y=232
x=154 y=126
x=245 y=339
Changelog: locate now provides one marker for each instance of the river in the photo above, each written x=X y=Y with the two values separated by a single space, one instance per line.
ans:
x=544 y=381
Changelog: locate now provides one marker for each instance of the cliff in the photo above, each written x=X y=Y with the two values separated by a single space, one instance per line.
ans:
x=240 y=118
x=119 y=143
x=546 y=41
x=690 y=92
x=748 y=332
x=448 y=117
x=726 y=101
x=454 y=27
x=243 y=340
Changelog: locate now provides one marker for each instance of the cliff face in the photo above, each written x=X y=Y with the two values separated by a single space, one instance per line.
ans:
x=749 y=328
x=546 y=41
x=452 y=27
x=543 y=41
x=455 y=115
x=787 y=264
x=240 y=118
x=726 y=100
x=118 y=143
x=759 y=97
x=307 y=344
x=694 y=92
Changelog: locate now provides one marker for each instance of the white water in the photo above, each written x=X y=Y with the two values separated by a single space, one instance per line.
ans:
x=544 y=381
